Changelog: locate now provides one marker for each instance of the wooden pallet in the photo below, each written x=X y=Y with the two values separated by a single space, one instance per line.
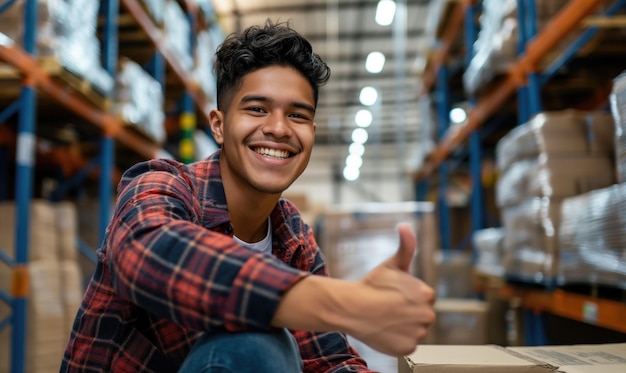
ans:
x=57 y=71
x=11 y=80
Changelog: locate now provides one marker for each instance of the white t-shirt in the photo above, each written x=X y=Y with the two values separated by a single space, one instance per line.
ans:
x=264 y=246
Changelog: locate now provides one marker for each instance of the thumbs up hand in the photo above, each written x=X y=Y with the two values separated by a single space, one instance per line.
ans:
x=394 y=308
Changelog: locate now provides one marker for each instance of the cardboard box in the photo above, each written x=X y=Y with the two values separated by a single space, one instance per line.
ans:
x=567 y=133
x=605 y=358
x=459 y=322
x=468 y=359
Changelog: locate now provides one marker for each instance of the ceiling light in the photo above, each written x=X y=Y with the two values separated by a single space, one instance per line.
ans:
x=458 y=115
x=356 y=149
x=354 y=161
x=368 y=96
x=385 y=11
x=359 y=135
x=375 y=62
x=350 y=173
x=363 y=118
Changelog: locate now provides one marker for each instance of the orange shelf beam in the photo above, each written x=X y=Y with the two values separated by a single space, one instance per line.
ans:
x=553 y=33
x=156 y=36
x=601 y=312
x=605 y=313
x=37 y=77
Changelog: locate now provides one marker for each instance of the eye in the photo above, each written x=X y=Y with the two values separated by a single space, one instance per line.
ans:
x=256 y=109
x=300 y=116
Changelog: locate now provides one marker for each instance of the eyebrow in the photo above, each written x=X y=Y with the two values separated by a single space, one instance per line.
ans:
x=297 y=104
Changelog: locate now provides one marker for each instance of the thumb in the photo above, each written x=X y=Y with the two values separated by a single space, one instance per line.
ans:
x=403 y=257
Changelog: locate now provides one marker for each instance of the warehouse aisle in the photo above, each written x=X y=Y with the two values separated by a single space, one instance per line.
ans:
x=355 y=255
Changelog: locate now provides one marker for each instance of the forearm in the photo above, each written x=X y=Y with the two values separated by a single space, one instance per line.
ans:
x=315 y=303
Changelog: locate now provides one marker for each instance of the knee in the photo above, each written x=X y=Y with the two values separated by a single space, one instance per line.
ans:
x=243 y=352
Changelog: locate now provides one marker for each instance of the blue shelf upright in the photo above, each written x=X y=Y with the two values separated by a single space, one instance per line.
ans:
x=25 y=159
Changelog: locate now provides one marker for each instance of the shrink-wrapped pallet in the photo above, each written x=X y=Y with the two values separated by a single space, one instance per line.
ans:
x=67 y=230
x=562 y=133
x=72 y=291
x=555 y=178
x=156 y=10
x=42 y=239
x=46 y=334
x=488 y=244
x=592 y=238
x=206 y=46
x=531 y=240
x=66 y=32
x=496 y=47
x=178 y=34
x=139 y=100
x=618 y=108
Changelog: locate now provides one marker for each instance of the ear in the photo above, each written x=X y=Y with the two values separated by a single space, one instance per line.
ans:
x=216 y=121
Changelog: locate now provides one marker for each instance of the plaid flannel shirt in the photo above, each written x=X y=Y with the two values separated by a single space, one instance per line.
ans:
x=169 y=270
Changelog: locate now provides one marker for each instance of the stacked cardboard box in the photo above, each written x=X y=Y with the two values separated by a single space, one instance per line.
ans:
x=66 y=33
x=459 y=321
x=488 y=244
x=54 y=293
x=553 y=156
x=496 y=47
x=139 y=100
x=599 y=358
x=593 y=238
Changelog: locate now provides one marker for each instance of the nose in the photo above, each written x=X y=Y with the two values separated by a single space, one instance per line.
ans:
x=277 y=124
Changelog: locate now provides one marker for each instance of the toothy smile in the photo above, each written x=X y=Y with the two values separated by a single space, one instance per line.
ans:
x=273 y=153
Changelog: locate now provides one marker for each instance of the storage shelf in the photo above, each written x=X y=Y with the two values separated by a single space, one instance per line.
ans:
x=25 y=76
x=155 y=35
x=37 y=77
x=560 y=26
x=588 y=309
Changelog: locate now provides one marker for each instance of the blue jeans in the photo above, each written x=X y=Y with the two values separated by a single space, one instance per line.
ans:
x=244 y=352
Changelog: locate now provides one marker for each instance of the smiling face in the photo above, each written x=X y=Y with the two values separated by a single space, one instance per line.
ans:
x=267 y=132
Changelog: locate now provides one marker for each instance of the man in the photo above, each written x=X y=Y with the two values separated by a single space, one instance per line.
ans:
x=204 y=268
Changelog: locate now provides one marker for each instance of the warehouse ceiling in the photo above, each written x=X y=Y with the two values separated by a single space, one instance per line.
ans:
x=344 y=33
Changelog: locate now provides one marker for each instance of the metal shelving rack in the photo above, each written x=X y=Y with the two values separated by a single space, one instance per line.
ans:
x=524 y=79
x=36 y=79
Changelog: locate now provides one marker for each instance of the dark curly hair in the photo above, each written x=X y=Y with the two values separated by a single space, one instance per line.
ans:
x=263 y=46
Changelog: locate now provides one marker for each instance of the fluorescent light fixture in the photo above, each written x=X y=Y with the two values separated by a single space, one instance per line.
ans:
x=363 y=118
x=368 y=96
x=375 y=62
x=385 y=11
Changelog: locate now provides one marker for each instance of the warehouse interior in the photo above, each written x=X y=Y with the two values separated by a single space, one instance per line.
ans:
x=496 y=129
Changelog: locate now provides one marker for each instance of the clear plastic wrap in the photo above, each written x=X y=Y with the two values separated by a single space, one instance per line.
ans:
x=495 y=48
x=554 y=177
x=207 y=43
x=592 y=238
x=563 y=133
x=178 y=34
x=66 y=31
x=488 y=243
x=139 y=100
x=618 y=108
x=531 y=240
x=156 y=9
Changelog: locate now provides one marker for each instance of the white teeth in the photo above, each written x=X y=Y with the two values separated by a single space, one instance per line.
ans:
x=274 y=153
